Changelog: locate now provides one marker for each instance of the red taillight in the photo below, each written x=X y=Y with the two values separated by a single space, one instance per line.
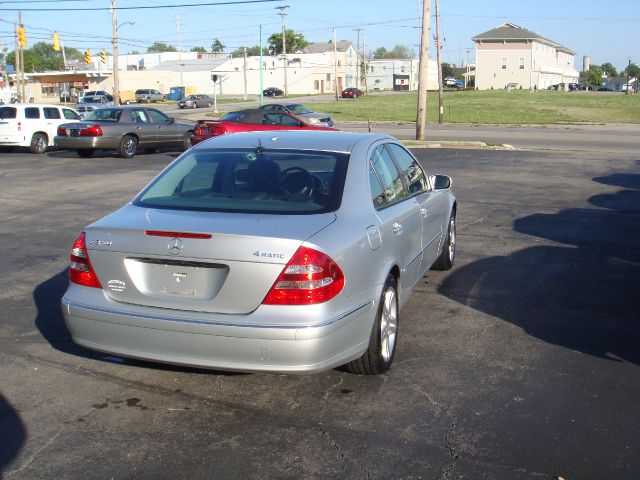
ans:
x=80 y=269
x=62 y=132
x=91 y=131
x=310 y=277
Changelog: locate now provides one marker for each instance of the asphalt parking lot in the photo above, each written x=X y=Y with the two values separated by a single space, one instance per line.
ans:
x=521 y=362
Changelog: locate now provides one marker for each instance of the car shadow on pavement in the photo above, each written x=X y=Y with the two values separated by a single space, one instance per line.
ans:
x=582 y=295
x=12 y=433
x=50 y=323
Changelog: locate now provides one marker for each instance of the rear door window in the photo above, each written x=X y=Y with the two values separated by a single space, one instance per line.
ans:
x=390 y=177
x=8 y=112
x=51 y=113
x=32 y=112
x=70 y=114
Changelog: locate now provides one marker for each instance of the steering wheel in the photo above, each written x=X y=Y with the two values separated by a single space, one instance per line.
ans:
x=297 y=180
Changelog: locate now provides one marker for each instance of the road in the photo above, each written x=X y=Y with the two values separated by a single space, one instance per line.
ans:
x=520 y=363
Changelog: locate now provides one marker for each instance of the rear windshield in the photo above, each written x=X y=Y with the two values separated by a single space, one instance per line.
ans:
x=242 y=180
x=8 y=112
x=104 y=115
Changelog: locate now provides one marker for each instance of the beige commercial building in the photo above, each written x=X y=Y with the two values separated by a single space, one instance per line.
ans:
x=512 y=55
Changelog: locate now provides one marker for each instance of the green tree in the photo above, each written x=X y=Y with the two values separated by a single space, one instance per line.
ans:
x=251 y=51
x=198 y=49
x=159 y=47
x=398 y=52
x=609 y=69
x=295 y=42
x=633 y=70
x=594 y=75
x=448 y=70
x=217 y=46
x=41 y=57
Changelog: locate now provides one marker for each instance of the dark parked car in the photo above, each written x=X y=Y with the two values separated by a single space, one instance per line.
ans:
x=300 y=111
x=124 y=129
x=196 y=101
x=352 y=92
x=250 y=121
x=272 y=92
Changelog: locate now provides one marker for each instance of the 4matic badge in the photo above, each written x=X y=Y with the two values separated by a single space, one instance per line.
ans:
x=260 y=254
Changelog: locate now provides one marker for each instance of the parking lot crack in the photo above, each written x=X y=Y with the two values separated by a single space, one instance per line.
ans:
x=35 y=454
x=449 y=436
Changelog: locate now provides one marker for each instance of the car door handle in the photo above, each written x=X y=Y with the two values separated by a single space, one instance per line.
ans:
x=424 y=212
x=397 y=228
x=138 y=128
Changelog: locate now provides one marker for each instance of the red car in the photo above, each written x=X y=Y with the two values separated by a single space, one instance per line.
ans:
x=352 y=92
x=250 y=121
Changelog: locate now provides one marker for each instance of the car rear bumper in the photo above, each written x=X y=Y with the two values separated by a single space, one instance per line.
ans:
x=216 y=341
x=77 y=143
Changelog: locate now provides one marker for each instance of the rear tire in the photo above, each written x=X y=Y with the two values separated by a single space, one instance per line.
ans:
x=85 y=152
x=38 y=143
x=448 y=256
x=382 y=344
x=128 y=146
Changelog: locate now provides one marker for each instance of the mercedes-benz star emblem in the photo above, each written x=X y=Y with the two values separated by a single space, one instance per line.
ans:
x=175 y=246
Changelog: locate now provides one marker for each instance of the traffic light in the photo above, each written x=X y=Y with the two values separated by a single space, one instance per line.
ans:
x=103 y=56
x=87 y=57
x=22 y=36
x=56 y=42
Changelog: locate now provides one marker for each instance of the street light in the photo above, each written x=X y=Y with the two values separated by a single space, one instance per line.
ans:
x=214 y=79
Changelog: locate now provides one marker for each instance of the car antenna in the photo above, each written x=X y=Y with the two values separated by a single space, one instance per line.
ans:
x=259 y=148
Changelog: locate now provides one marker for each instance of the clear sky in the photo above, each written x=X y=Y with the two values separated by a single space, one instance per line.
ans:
x=605 y=31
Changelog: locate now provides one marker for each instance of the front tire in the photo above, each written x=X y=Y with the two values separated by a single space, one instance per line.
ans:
x=448 y=256
x=38 y=143
x=382 y=344
x=85 y=152
x=186 y=141
x=128 y=146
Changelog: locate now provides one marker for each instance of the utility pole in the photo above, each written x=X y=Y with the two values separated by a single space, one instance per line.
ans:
x=628 y=72
x=180 y=48
x=335 y=63
x=116 y=73
x=357 y=57
x=244 y=55
x=466 y=77
x=17 y=63
x=439 y=57
x=284 y=46
x=421 y=119
x=261 y=71
x=21 y=80
x=364 y=62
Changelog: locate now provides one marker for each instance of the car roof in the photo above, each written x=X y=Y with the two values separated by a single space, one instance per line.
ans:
x=35 y=105
x=317 y=140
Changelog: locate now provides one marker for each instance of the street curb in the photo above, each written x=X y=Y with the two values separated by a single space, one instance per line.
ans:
x=455 y=144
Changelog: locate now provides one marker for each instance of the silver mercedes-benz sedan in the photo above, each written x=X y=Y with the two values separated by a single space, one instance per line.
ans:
x=265 y=251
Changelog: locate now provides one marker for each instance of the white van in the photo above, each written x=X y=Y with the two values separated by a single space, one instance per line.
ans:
x=32 y=125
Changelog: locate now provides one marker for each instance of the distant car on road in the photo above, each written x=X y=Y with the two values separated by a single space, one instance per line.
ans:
x=89 y=103
x=250 y=121
x=148 y=95
x=124 y=129
x=32 y=125
x=272 y=92
x=196 y=101
x=352 y=92
x=300 y=111
x=287 y=253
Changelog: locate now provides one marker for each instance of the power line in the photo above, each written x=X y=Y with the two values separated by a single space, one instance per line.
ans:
x=141 y=7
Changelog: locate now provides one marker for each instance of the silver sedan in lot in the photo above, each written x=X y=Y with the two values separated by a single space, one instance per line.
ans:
x=265 y=251
x=124 y=129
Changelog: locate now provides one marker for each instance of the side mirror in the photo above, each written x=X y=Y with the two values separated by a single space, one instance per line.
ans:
x=172 y=120
x=440 y=182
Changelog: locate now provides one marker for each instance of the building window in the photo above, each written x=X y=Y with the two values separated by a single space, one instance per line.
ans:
x=503 y=63
x=339 y=63
x=521 y=63
x=316 y=84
